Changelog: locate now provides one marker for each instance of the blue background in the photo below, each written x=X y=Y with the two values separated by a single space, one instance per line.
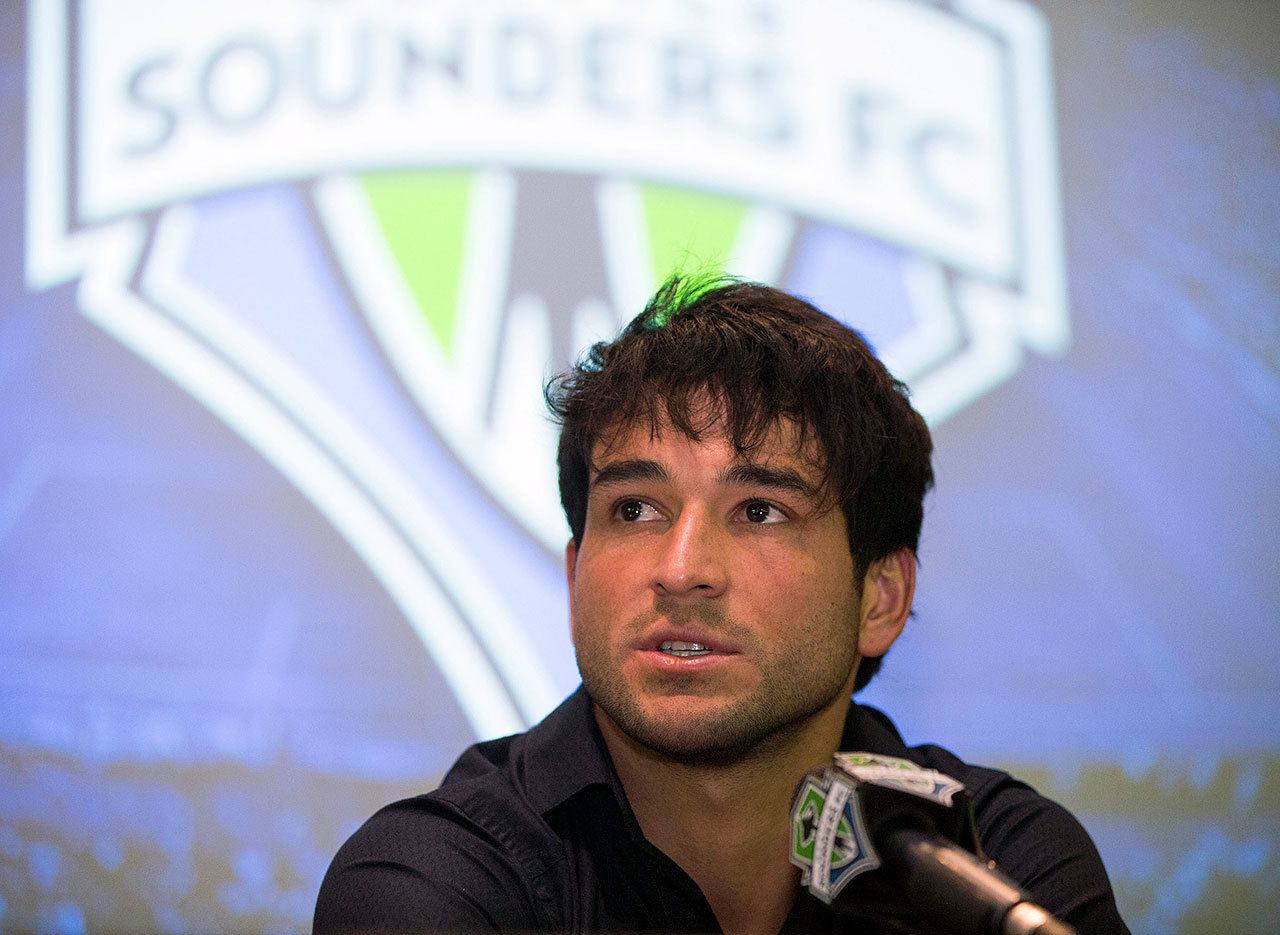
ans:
x=202 y=690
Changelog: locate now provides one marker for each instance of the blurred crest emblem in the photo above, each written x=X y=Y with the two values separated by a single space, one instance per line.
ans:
x=363 y=234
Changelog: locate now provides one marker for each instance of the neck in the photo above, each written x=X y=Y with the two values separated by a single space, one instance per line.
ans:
x=728 y=824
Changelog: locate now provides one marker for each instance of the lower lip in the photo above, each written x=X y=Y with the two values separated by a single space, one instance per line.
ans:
x=668 y=663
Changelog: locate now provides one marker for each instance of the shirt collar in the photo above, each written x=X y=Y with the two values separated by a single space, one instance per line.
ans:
x=869 y=730
x=565 y=753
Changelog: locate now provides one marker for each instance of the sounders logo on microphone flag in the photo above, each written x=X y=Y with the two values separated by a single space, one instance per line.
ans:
x=829 y=838
x=362 y=234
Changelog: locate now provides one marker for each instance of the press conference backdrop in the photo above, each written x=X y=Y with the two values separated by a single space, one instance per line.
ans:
x=279 y=533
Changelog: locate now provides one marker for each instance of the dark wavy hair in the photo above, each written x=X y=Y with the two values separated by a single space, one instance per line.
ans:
x=759 y=355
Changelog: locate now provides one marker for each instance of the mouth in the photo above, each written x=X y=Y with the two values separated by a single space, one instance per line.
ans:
x=686 y=644
x=683 y=649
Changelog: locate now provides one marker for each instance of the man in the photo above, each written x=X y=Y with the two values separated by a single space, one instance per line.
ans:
x=743 y=482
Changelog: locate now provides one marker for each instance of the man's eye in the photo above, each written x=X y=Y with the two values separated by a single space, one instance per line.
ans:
x=760 y=512
x=634 y=511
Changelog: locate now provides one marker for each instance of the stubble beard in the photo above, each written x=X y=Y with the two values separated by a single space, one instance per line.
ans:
x=806 y=678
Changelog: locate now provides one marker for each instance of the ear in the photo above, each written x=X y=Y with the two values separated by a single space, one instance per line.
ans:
x=887 y=591
x=570 y=561
x=570 y=568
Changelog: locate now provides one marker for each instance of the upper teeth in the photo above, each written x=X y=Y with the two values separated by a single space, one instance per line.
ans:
x=681 y=648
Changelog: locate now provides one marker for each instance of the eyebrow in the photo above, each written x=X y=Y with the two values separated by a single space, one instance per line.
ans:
x=634 y=469
x=759 y=475
x=743 y=474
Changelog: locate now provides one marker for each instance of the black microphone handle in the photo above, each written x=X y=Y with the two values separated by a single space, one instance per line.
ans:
x=956 y=892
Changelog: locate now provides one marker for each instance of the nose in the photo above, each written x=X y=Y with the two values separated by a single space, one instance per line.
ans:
x=691 y=561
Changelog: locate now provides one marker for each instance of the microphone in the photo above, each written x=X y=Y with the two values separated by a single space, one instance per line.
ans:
x=868 y=811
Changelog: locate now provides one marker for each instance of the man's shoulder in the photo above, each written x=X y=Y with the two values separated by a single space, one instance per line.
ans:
x=1034 y=840
x=477 y=852
x=483 y=799
x=472 y=853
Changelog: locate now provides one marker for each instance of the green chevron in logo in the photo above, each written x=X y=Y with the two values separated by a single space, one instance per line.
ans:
x=423 y=216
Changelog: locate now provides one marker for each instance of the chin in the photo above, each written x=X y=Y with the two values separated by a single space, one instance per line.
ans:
x=694 y=729
x=682 y=745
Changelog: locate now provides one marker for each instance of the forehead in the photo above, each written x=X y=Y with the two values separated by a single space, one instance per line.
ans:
x=780 y=445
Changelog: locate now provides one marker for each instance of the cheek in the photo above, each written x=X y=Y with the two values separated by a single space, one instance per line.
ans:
x=591 y=597
x=610 y=569
x=827 y=588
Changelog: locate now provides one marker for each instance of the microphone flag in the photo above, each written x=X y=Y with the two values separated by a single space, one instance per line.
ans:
x=839 y=808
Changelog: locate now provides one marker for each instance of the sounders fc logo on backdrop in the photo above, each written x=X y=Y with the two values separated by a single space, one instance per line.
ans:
x=358 y=232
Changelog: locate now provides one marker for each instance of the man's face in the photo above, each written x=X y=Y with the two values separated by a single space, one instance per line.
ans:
x=713 y=603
